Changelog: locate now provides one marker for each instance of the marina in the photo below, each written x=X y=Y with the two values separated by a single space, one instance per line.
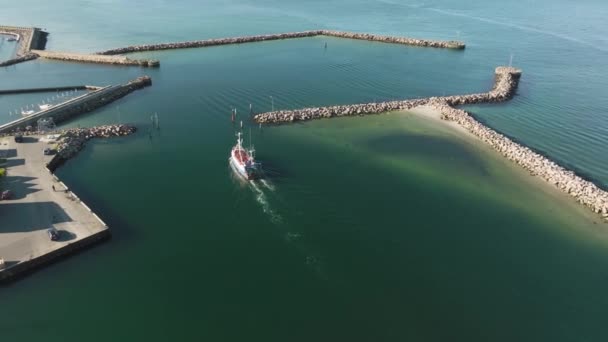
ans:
x=443 y=202
x=92 y=100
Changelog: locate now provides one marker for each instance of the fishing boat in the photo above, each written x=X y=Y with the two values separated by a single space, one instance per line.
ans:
x=45 y=106
x=243 y=161
x=27 y=112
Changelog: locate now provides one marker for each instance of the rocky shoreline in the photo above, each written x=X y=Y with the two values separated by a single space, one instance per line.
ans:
x=289 y=35
x=73 y=140
x=585 y=192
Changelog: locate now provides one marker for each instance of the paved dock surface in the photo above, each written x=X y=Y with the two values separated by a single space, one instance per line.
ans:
x=35 y=207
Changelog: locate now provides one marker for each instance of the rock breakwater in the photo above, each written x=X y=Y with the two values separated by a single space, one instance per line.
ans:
x=505 y=85
x=87 y=58
x=73 y=140
x=452 y=44
x=288 y=35
x=20 y=59
x=585 y=192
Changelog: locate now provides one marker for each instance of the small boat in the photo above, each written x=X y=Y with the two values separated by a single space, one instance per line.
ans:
x=27 y=112
x=243 y=161
x=45 y=106
x=12 y=39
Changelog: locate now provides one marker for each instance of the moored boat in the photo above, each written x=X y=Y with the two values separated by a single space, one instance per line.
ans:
x=243 y=161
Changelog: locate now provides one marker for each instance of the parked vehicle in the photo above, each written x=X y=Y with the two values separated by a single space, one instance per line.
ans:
x=18 y=138
x=53 y=234
x=6 y=195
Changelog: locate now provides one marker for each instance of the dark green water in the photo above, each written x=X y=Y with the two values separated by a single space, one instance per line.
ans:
x=383 y=228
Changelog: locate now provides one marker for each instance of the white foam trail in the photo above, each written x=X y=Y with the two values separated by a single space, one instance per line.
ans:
x=263 y=201
x=267 y=185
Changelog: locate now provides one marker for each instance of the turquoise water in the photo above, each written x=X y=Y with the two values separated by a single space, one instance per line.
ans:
x=7 y=48
x=378 y=228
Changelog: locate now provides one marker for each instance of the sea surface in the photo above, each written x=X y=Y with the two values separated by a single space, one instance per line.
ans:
x=381 y=228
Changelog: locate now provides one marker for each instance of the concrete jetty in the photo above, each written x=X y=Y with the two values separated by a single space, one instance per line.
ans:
x=88 y=58
x=288 y=35
x=47 y=89
x=41 y=201
x=78 y=105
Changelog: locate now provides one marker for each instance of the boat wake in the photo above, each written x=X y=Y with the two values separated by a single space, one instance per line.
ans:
x=266 y=184
x=262 y=198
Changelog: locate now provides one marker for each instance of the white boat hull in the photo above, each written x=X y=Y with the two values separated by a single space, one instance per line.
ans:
x=238 y=168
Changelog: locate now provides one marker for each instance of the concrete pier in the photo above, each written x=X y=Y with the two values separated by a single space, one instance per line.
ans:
x=47 y=89
x=87 y=58
x=78 y=105
x=279 y=36
x=36 y=207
